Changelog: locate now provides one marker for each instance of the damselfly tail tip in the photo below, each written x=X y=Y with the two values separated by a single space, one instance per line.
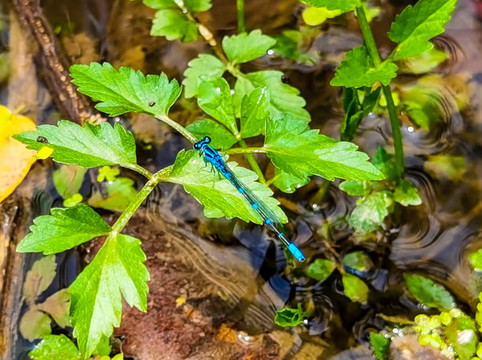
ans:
x=296 y=252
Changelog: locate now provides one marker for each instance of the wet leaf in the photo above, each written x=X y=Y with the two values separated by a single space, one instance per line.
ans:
x=423 y=105
x=288 y=183
x=55 y=347
x=358 y=71
x=358 y=261
x=385 y=163
x=371 y=211
x=445 y=166
x=219 y=197
x=57 y=305
x=193 y=6
x=423 y=63
x=125 y=90
x=120 y=193
x=35 y=324
x=63 y=230
x=475 y=259
x=380 y=345
x=68 y=180
x=428 y=293
x=246 y=47
x=203 y=68
x=215 y=98
x=315 y=16
x=174 y=25
x=406 y=194
x=355 y=289
x=16 y=159
x=417 y=24
x=96 y=301
x=302 y=152
x=103 y=347
x=39 y=278
x=221 y=138
x=356 y=111
x=355 y=188
x=320 y=269
x=290 y=317
x=92 y=146
x=253 y=112
x=462 y=335
x=283 y=97
x=344 y=5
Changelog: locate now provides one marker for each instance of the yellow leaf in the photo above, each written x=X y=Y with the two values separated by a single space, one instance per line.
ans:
x=15 y=158
x=44 y=153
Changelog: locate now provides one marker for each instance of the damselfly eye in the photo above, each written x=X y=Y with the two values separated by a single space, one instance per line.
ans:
x=207 y=139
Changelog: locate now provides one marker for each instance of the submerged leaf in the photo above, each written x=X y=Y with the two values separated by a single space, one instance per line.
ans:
x=371 y=211
x=290 y=317
x=427 y=292
x=125 y=90
x=380 y=345
x=39 y=278
x=91 y=146
x=320 y=269
x=63 y=230
x=355 y=289
x=406 y=194
x=68 y=180
x=120 y=193
x=96 y=301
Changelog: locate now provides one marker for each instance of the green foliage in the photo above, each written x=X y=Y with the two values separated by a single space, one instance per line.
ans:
x=219 y=197
x=292 y=45
x=120 y=193
x=355 y=289
x=63 y=230
x=203 y=68
x=357 y=261
x=320 y=269
x=244 y=47
x=87 y=147
x=462 y=335
x=283 y=97
x=221 y=137
x=68 y=180
x=428 y=293
x=356 y=110
x=380 y=345
x=315 y=16
x=475 y=259
x=302 y=152
x=371 y=211
x=406 y=194
x=55 y=347
x=417 y=24
x=126 y=90
x=343 y=5
x=96 y=302
x=358 y=71
x=253 y=112
x=174 y=19
x=290 y=317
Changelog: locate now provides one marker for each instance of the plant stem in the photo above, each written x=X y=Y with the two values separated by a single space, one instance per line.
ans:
x=139 y=199
x=251 y=150
x=187 y=134
x=241 y=22
x=140 y=170
x=392 y=110
x=254 y=164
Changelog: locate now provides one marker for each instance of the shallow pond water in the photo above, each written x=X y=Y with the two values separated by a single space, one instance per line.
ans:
x=232 y=276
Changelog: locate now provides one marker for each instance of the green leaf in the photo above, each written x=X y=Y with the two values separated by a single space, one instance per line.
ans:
x=63 y=230
x=380 y=345
x=355 y=112
x=174 y=25
x=221 y=138
x=423 y=104
x=55 y=347
x=424 y=63
x=320 y=269
x=215 y=98
x=315 y=16
x=358 y=71
x=475 y=259
x=385 y=163
x=355 y=289
x=288 y=183
x=253 y=112
x=219 y=197
x=292 y=45
x=342 y=5
x=96 y=302
x=68 y=180
x=91 y=146
x=126 y=90
x=356 y=188
x=246 y=47
x=283 y=97
x=302 y=152
x=406 y=194
x=416 y=25
x=358 y=261
x=290 y=317
x=39 y=278
x=120 y=193
x=462 y=336
x=445 y=167
x=205 y=67
x=370 y=212
x=192 y=6
x=428 y=293
x=35 y=324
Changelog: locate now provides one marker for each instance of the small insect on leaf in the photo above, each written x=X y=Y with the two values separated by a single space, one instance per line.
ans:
x=42 y=139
